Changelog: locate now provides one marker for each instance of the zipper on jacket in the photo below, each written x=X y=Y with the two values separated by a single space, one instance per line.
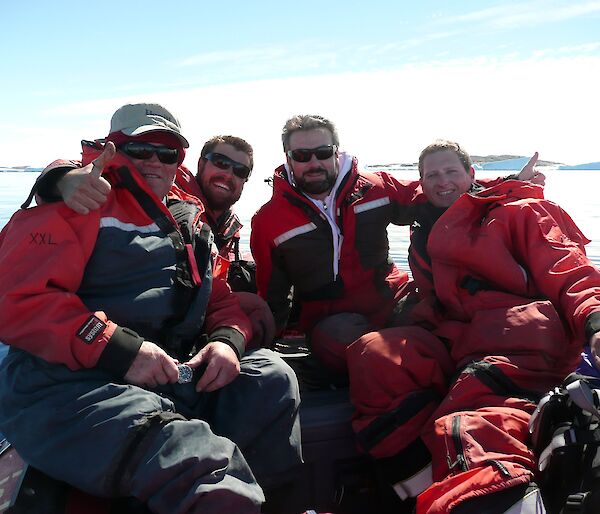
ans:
x=460 y=462
x=500 y=467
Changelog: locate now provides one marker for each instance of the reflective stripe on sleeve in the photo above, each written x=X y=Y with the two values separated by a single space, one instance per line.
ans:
x=286 y=236
x=109 y=222
x=373 y=204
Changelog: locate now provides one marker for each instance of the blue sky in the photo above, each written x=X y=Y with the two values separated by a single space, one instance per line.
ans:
x=499 y=77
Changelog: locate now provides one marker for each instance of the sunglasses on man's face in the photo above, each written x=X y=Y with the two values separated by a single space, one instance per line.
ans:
x=305 y=154
x=143 y=151
x=223 y=162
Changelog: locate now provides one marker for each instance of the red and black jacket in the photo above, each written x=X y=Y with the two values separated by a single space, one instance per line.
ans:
x=292 y=244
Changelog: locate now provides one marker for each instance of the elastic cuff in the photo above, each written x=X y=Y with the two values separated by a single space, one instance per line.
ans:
x=120 y=352
x=45 y=185
x=231 y=337
x=592 y=325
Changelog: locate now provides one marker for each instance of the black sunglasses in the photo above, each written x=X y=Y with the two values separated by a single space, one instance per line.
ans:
x=223 y=162
x=305 y=154
x=139 y=150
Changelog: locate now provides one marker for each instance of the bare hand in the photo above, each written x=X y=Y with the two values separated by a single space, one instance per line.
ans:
x=595 y=349
x=222 y=367
x=84 y=189
x=151 y=367
x=530 y=174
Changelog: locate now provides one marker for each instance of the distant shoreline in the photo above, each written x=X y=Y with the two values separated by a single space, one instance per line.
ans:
x=499 y=163
x=487 y=162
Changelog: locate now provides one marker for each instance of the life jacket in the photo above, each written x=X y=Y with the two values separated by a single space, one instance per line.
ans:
x=194 y=274
x=195 y=254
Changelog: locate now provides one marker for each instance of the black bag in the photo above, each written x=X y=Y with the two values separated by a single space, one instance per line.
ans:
x=241 y=275
x=565 y=432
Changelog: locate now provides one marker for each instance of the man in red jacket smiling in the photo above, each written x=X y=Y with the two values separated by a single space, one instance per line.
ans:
x=507 y=300
x=101 y=310
x=324 y=235
x=224 y=167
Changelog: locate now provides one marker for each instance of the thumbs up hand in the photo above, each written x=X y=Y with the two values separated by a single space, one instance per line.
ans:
x=530 y=174
x=84 y=189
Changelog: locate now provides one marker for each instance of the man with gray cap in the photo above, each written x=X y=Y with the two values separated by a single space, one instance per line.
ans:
x=127 y=374
x=224 y=167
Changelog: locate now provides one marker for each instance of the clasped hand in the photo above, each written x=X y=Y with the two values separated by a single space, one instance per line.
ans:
x=153 y=366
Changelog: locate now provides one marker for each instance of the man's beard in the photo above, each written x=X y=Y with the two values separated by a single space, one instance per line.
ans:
x=219 y=202
x=316 y=187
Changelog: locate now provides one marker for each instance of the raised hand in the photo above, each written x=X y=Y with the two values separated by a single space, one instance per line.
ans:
x=530 y=174
x=84 y=189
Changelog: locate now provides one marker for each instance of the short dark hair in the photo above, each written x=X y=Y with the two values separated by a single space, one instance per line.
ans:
x=237 y=142
x=441 y=145
x=307 y=122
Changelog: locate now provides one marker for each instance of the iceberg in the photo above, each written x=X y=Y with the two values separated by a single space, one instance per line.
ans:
x=588 y=166
x=505 y=164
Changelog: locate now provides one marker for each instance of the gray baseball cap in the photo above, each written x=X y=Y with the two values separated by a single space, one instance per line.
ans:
x=136 y=119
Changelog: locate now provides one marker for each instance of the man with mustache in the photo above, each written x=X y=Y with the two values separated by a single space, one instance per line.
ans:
x=224 y=167
x=324 y=234
x=127 y=373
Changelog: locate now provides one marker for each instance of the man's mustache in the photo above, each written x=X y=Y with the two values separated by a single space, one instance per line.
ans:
x=320 y=169
x=223 y=180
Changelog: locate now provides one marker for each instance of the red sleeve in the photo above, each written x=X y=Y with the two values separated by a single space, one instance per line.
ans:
x=44 y=189
x=261 y=251
x=43 y=255
x=403 y=195
x=272 y=281
x=225 y=319
x=553 y=251
x=490 y=182
x=187 y=182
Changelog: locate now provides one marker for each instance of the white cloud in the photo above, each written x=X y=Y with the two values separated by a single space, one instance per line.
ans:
x=523 y=14
x=579 y=49
x=233 y=56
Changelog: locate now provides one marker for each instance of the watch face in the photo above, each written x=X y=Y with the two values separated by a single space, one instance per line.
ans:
x=185 y=373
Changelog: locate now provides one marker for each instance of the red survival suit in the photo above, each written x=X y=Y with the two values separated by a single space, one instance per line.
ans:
x=226 y=231
x=59 y=320
x=508 y=298
x=240 y=273
x=293 y=244
x=73 y=289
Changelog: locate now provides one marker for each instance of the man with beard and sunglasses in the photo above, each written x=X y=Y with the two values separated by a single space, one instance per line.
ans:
x=324 y=235
x=127 y=373
x=224 y=167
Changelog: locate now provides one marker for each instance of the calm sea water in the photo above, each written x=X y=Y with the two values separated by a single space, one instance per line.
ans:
x=575 y=191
